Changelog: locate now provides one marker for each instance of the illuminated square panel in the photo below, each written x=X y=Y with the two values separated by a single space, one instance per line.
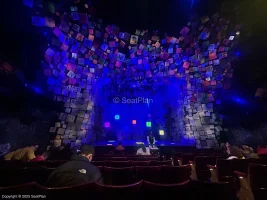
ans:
x=133 y=121
x=117 y=117
x=161 y=132
x=107 y=124
x=148 y=124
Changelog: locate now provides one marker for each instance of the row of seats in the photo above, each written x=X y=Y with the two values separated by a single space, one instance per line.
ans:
x=204 y=167
x=112 y=176
x=193 y=190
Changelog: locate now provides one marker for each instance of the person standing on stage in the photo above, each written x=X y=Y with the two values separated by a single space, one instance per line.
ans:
x=151 y=140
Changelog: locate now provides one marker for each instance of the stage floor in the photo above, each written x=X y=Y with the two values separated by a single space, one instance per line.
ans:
x=136 y=143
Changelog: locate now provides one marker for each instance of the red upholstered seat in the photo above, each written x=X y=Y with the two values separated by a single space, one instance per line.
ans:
x=98 y=163
x=185 y=157
x=225 y=168
x=201 y=162
x=118 y=176
x=95 y=158
x=27 y=188
x=151 y=173
x=212 y=191
x=158 y=163
x=140 y=163
x=84 y=191
x=129 y=192
x=258 y=182
x=35 y=174
x=117 y=163
x=54 y=163
x=158 y=191
x=174 y=174
x=119 y=158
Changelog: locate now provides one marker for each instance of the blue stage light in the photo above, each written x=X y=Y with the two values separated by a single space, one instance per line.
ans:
x=117 y=117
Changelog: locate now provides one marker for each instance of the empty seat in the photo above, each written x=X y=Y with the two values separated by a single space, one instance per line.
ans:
x=185 y=158
x=85 y=191
x=129 y=192
x=119 y=158
x=200 y=164
x=23 y=189
x=225 y=168
x=98 y=163
x=158 y=163
x=54 y=163
x=258 y=182
x=118 y=176
x=100 y=158
x=35 y=174
x=151 y=173
x=140 y=163
x=211 y=191
x=117 y=163
x=158 y=191
x=174 y=174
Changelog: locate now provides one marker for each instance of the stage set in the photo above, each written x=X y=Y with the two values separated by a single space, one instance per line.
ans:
x=119 y=86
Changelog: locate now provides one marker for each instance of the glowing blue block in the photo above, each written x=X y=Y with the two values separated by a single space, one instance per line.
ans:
x=117 y=117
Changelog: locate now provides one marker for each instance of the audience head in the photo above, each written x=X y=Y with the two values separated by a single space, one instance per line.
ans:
x=235 y=151
x=35 y=146
x=143 y=147
x=87 y=151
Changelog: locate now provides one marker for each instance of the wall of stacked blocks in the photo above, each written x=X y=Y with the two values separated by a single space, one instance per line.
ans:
x=85 y=49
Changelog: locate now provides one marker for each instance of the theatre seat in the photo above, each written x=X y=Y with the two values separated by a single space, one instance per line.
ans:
x=117 y=163
x=118 y=176
x=157 y=191
x=119 y=158
x=54 y=163
x=35 y=174
x=158 y=163
x=129 y=192
x=140 y=163
x=212 y=191
x=98 y=163
x=174 y=174
x=200 y=165
x=150 y=173
x=23 y=189
x=83 y=191
x=100 y=158
x=186 y=157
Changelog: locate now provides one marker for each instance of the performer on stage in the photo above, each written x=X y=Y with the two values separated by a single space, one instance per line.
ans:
x=151 y=140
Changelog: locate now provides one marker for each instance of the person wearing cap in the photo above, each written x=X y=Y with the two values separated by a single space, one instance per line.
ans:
x=77 y=171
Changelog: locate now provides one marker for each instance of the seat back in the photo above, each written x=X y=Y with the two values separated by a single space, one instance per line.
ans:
x=119 y=158
x=211 y=191
x=174 y=174
x=257 y=175
x=35 y=174
x=158 y=191
x=117 y=163
x=54 y=163
x=140 y=163
x=224 y=169
x=129 y=192
x=240 y=165
x=98 y=163
x=158 y=163
x=118 y=176
x=202 y=170
x=185 y=157
x=95 y=158
x=27 y=188
x=86 y=191
x=150 y=173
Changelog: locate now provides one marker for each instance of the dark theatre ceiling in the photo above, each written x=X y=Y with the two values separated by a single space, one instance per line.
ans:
x=22 y=45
